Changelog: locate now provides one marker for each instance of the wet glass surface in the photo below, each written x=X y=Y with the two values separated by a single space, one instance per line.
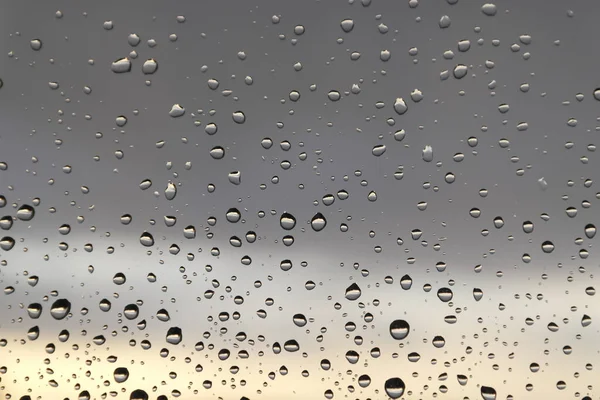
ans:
x=361 y=199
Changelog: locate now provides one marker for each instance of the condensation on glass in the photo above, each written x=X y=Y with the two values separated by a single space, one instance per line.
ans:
x=362 y=199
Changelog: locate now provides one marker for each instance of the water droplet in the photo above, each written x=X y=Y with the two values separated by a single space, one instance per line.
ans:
x=590 y=231
x=299 y=320
x=146 y=239
x=287 y=221
x=239 y=117
x=235 y=177
x=400 y=106
x=547 y=247
x=527 y=226
x=347 y=25
x=133 y=39
x=353 y=292
x=121 y=374
x=427 y=153
x=394 y=387
x=60 y=309
x=138 y=394
x=150 y=66
x=498 y=222
x=334 y=95
x=34 y=310
x=174 y=335
x=170 y=191
x=475 y=212
x=490 y=10
x=399 y=329
x=36 y=44
x=291 y=346
x=379 y=150
x=438 y=342
x=445 y=22
x=460 y=71
x=131 y=311
x=233 y=215
x=406 y=282
x=364 y=381
x=25 y=213
x=586 y=320
x=217 y=152
x=318 y=222
x=121 y=65
x=176 y=111
x=445 y=294
x=488 y=393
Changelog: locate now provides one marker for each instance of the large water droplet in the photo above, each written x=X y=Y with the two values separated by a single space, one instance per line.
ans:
x=488 y=393
x=547 y=247
x=146 y=239
x=399 y=329
x=170 y=191
x=235 y=177
x=138 y=394
x=590 y=231
x=353 y=292
x=36 y=44
x=174 y=335
x=287 y=221
x=150 y=66
x=394 y=387
x=400 y=106
x=121 y=65
x=176 y=111
x=121 y=374
x=489 y=9
x=25 y=213
x=378 y=150
x=60 y=309
x=347 y=25
x=445 y=294
x=239 y=117
x=291 y=346
x=427 y=153
x=318 y=222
